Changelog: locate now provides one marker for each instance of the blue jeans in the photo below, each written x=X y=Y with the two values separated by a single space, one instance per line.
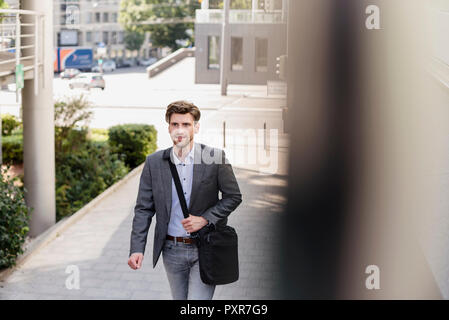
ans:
x=183 y=272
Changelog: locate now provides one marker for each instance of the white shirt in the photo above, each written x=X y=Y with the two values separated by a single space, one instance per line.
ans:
x=185 y=172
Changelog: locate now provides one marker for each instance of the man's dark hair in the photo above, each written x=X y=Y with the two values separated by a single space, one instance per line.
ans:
x=182 y=107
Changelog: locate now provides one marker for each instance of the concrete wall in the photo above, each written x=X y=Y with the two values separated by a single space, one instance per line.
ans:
x=277 y=44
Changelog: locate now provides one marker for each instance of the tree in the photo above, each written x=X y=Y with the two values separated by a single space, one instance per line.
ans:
x=241 y=4
x=68 y=114
x=134 y=12
x=3 y=5
x=133 y=40
x=234 y=4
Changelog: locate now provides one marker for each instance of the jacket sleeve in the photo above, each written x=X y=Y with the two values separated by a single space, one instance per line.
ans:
x=230 y=191
x=143 y=211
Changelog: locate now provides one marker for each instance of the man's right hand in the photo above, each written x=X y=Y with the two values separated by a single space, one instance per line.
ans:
x=135 y=261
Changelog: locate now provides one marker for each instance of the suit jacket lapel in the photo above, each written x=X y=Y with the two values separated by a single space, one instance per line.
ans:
x=166 y=179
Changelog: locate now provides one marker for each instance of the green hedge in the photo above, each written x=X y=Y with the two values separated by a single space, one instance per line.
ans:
x=85 y=168
x=84 y=174
x=135 y=141
x=9 y=123
x=12 y=148
x=14 y=216
x=68 y=140
x=100 y=135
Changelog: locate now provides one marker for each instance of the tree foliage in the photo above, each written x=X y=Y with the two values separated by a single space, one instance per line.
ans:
x=134 y=40
x=3 y=5
x=234 y=4
x=68 y=114
x=14 y=217
x=134 y=12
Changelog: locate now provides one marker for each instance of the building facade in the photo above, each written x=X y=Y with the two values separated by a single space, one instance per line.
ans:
x=89 y=23
x=257 y=37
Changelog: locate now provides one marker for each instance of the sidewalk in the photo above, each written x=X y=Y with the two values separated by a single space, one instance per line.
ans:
x=98 y=244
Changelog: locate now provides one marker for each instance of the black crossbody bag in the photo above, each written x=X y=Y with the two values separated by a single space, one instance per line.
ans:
x=217 y=247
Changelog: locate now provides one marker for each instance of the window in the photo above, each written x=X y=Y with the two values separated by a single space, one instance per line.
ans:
x=121 y=36
x=88 y=36
x=113 y=37
x=213 y=49
x=97 y=36
x=97 y=17
x=261 y=55
x=89 y=17
x=105 y=17
x=236 y=54
x=106 y=37
x=114 y=17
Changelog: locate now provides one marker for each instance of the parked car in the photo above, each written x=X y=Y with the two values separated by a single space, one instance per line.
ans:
x=123 y=63
x=88 y=81
x=108 y=66
x=119 y=63
x=69 y=73
x=130 y=61
x=147 y=62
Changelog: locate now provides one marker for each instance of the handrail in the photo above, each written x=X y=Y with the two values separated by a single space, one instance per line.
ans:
x=240 y=16
x=20 y=11
x=11 y=30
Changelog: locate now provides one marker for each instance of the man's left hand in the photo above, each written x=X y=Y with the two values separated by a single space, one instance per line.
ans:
x=193 y=223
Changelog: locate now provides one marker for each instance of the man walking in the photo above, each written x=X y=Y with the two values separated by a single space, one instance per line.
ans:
x=203 y=172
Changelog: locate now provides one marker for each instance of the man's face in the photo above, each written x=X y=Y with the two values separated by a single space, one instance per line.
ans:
x=182 y=129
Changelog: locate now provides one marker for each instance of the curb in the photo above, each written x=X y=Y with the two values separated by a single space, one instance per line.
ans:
x=55 y=231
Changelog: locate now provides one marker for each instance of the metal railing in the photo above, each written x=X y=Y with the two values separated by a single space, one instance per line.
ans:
x=241 y=16
x=12 y=50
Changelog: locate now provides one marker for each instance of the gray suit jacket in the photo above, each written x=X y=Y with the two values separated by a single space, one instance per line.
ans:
x=155 y=190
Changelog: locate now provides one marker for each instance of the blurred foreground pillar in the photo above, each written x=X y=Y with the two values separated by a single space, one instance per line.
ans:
x=368 y=130
x=38 y=128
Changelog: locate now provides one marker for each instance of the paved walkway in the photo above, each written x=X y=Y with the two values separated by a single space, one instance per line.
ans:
x=98 y=245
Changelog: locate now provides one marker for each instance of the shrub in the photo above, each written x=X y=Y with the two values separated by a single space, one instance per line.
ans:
x=68 y=115
x=12 y=148
x=9 y=123
x=14 y=217
x=99 y=135
x=135 y=141
x=84 y=174
x=69 y=140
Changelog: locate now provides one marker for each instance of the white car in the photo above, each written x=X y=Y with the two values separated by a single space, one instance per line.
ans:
x=147 y=62
x=87 y=81
x=108 y=66
x=69 y=73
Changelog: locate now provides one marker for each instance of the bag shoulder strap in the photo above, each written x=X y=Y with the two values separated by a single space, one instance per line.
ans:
x=179 y=191
x=182 y=199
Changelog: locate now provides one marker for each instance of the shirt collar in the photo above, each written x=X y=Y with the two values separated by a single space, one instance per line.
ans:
x=188 y=160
